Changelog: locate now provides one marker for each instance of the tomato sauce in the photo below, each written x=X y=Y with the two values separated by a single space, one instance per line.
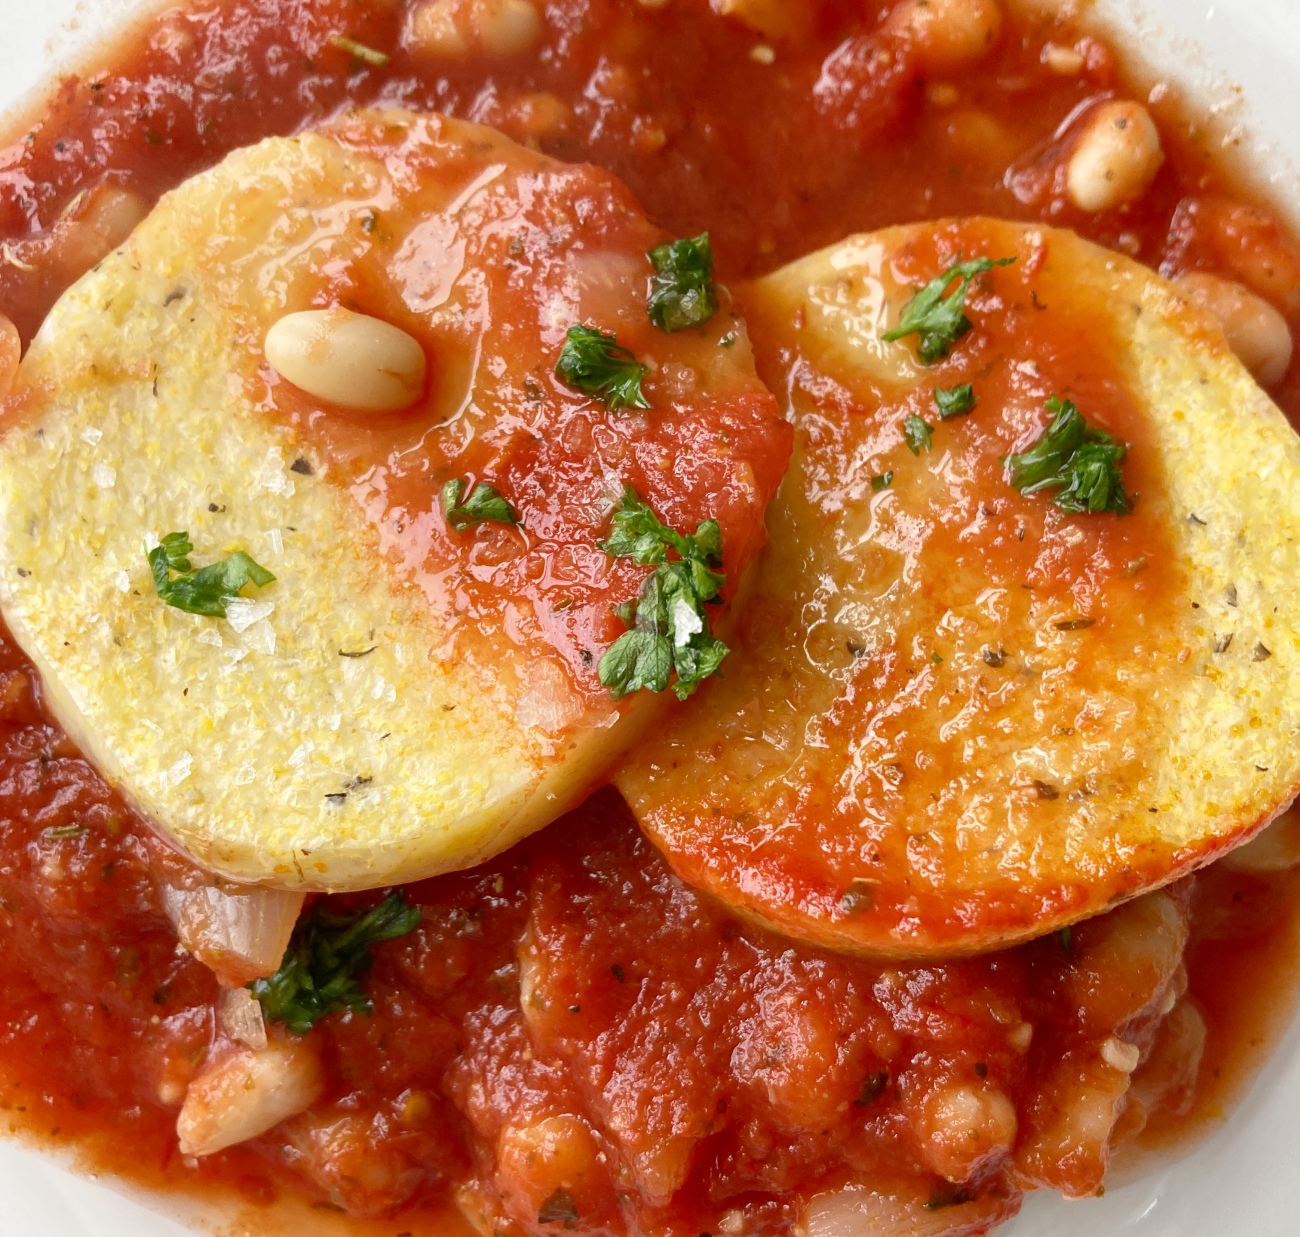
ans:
x=700 y=1075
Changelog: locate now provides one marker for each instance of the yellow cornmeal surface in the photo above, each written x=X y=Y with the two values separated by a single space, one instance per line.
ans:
x=266 y=754
x=1152 y=749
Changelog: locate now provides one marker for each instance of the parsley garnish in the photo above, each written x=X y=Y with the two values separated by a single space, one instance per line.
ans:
x=669 y=627
x=360 y=51
x=955 y=403
x=947 y=1195
x=597 y=364
x=484 y=503
x=63 y=832
x=206 y=590
x=681 y=291
x=937 y=320
x=881 y=481
x=560 y=1207
x=327 y=954
x=1080 y=463
x=917 y=433
x=873 y=1087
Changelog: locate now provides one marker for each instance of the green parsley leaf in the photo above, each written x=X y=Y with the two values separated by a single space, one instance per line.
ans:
x=484 y=503
x=936 y=319
x=319 y=974
x=681 y=291
x=1080 y=463
x=947 y=1195
x=208 y=590
x=917 y=433
x=669 y=626
x=63 y=832
x=597 y=364
x=360 y=51
x=559 y=1207
x=955 y=403
x=873 y=1087
x=881 y=482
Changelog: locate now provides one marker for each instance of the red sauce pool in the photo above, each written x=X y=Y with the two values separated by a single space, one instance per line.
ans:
x=97 y=1009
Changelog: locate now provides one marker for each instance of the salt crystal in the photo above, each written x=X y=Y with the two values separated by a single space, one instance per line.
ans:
x=210 y=635
x=260 y=637
x=181 y=769
x=104 y=476
x=246 y=774
x=272 y=476
x=276 y=540
x=91 y=435
x=122 y=582
x=686 y=622
x=300 y=754
x=243 y=612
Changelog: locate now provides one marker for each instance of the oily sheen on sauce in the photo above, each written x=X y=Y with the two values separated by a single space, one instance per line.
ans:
x=99 y=1012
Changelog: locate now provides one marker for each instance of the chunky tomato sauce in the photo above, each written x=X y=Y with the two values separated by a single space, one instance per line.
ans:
x=573 y=1038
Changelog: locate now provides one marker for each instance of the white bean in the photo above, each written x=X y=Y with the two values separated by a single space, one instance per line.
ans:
x=1277 y=849
x=449 y=29
x=1255 y=331
x=947 y=34
x=348 y=359
x=962 y=1127
x=1115 y=157
x=507 y=27
x=434 y=32
x=536 y=1159
x=1167 y=1078
x=1080 y=1102
x=93 y=227
x=773 y=19
x=1124 y=962
x=245 y=1093
x=115 y=213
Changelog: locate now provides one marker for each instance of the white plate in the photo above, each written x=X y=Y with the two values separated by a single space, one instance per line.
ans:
x=1241 y=1180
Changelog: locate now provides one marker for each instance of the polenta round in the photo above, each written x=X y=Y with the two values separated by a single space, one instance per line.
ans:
x=417 y=687
x=973 y=703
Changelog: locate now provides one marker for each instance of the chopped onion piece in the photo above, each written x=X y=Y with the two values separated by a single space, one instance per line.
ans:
x=240 y=932
x=240 y=1016
x=244 y=1093
x=896 y=1209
